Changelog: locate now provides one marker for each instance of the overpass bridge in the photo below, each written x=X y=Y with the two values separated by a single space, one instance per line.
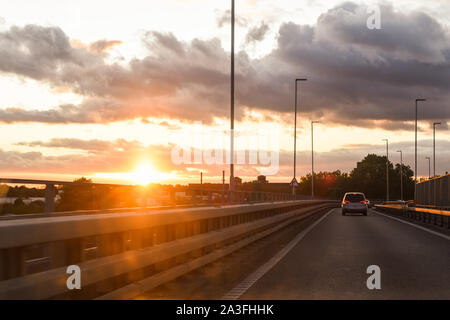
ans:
x=270 y=249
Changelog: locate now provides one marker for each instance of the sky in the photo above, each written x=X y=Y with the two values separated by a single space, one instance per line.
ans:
x=109 y=90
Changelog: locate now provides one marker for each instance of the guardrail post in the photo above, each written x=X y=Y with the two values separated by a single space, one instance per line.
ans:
x=173 y=199
x=194 y=197
x=49 y=198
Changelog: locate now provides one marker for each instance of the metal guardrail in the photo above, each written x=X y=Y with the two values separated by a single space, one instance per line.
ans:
x=130 y=251
x=432 y=216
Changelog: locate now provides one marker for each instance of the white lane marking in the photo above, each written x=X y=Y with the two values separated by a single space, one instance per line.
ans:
x=414 y=225
x=242 y=287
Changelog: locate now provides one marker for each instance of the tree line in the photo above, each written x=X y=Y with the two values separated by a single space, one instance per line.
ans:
x=368 y=177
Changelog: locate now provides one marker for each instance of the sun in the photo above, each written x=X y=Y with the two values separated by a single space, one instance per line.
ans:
x=144 y=174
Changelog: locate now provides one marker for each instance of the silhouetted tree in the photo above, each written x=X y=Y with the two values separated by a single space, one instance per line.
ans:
x=76 y=197
x=369 y=177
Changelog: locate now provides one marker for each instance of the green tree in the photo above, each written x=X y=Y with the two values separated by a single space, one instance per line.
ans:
x=326 y=184
x=408 y=183
x=76 y=197
x=369 y=177
x=86 y=196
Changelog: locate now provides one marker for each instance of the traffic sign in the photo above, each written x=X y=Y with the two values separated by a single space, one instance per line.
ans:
x=294 y=183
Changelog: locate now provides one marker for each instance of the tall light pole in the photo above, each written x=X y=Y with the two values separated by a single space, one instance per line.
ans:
x=312 y=157
x=434 y=147
x=401 y=174
x=295 y=133
x=415 y=151
x=232 y=106
x=429 y=167
x=387 y=169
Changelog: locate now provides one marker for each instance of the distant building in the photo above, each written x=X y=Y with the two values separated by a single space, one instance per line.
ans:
x=262 y=180
x=237 y=181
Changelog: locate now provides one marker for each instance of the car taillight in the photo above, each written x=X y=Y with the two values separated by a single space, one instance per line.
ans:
x=364 y=202
x=346 y=201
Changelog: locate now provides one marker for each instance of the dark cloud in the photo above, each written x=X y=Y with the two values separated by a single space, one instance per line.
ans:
x=257 y=33
x=357 y=76
x=93 y=146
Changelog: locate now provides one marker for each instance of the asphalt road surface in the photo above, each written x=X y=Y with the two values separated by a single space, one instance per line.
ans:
x=330 y=261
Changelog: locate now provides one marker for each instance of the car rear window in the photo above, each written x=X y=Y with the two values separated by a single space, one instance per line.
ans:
x=354 y=197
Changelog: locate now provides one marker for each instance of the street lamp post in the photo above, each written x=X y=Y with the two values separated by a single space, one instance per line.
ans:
x=387 y=169
x=232 y=105
x=415 y=151
x=401 y=174
x=429 y=167
x=434 y=147
x=312 y=157
x=295 y=133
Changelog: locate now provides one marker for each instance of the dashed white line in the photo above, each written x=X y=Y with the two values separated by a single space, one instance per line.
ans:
x=248 y=282
x=413 y=225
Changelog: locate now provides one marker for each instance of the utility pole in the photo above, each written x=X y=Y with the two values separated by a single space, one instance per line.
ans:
x=295 y=135
x=401 y=175
x=223 y=186
x=434 y=147
x=201 y=184
x=387 y=169
x=415 y=152
x=434 y=161
x=312 y=157
x=429 y=167
x=232 y=106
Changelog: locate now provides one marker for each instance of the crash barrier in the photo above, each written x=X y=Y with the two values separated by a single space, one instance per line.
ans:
x=123 y=254
x=436 y=217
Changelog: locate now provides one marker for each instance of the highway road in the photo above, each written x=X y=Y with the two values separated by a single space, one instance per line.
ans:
x=326 y=256
x=330 y=261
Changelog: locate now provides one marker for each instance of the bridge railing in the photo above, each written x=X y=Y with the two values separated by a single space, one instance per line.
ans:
x=123 y=254
x=198 y=196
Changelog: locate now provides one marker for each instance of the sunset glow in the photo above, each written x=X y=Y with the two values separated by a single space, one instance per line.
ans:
x=143 y=174
x=121 y=96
